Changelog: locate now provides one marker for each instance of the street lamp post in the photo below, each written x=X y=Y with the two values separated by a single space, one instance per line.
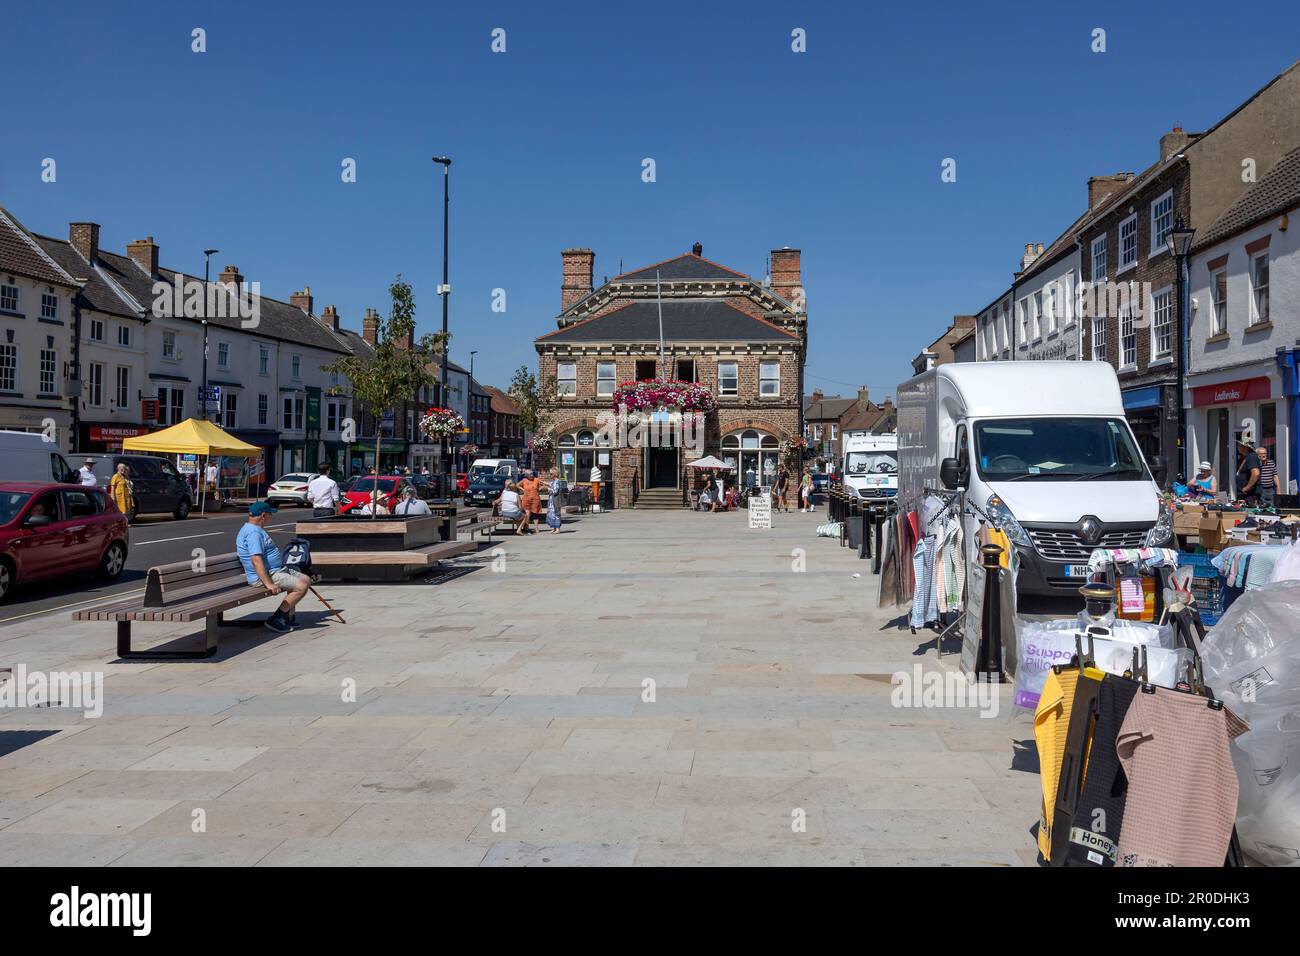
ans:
x=470 y=424
x=444 y=290
x=1179 y=242
x=207 y=267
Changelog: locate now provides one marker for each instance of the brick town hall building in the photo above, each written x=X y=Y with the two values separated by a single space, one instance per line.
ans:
x=742 y=339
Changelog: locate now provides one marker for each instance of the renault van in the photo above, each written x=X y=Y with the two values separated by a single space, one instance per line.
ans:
x=1044 y=449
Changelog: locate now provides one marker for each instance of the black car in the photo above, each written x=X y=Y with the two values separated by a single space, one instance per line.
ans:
x=820 y=481
x=486 y=489
x=155 y=483
x=429 y=487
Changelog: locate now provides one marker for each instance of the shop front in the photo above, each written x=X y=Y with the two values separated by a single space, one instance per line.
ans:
x=392 y=456
x=1152 y=413
x=1229 y=406
x=259 y=467
x=55 y=422
x=106 y=437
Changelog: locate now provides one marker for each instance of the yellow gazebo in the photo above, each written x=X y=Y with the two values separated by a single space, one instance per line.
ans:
x=194 y=436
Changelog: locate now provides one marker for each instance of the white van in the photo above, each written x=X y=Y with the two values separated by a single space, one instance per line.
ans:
x=27 y=456
x=490 y=466
x=871 y=466
x=1042 y=446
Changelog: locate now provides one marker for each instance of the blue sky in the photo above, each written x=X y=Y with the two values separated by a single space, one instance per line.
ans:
x=836 y=151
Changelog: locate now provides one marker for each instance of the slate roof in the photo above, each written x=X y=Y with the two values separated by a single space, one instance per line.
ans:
x=686 y=266
x=502 y=402
x=685 y=320
x=1275 y=193
x=831 y=406
x=99 y=292
x=21 y=255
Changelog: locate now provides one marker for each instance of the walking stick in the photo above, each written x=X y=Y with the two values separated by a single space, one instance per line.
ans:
x=321 y=598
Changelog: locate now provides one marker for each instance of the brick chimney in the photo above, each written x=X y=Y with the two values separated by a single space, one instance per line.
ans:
x=330 y=317
x=697 y=250
x=576 y=267
x=1030 y=255
x=84 y=237
x=1173 y=142
x=1100 y=187
x=817 y=395
x=786 y=276
x=370 y=327
x=302 y=300
x=863 y=402
x=144 y=253
x=230 y=276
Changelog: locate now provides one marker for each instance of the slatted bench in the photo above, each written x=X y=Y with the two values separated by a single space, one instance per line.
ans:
x=180 y=593
x=477 y=519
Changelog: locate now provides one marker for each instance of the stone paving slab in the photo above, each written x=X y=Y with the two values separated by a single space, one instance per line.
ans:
x=650 y=688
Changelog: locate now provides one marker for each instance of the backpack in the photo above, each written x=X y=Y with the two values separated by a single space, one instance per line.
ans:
x=297 y=556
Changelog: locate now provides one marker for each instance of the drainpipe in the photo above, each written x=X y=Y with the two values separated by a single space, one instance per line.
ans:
x=1288 y=363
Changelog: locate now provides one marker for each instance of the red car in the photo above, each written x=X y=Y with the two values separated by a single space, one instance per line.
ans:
x=462 y=483
x=392 y=488
x=49 y=530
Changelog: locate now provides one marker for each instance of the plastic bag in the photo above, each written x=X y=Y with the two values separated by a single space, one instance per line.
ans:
x=1252 y=662
x=1042 y=644
x=1287 y=567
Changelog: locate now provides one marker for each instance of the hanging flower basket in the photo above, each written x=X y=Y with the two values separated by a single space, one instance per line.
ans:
x=441 y=423
x=649 y=396
x=798 y=444
x=539 y=443
x=469 y=451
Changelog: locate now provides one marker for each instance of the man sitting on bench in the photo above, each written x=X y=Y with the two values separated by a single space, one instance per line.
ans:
x=264 y=565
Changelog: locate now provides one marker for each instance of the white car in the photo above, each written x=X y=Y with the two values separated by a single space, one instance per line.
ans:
x=290 y=489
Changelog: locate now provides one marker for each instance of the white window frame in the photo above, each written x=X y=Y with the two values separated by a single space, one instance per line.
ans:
x=1255 y=317
x=96 y=329
x=606 y=384
x=1157 y=239
x=49 y=306
x=223 y=355
x=1099 y=254
x=1099 y=338
x=1036 y=313
x=263 y=408
x=764 y=379
x=263 y=360
x=566 y=379
x=1157 y=353
x=49 y=372
x=229 y=409
x=295 y=367
x=1127 y=339
x=122 y=386
x=8 y=367
x=169 y=339
x=95 y=384
x=1125 y=263
x=733 y=377
x=1219 y=307
x=9 y=297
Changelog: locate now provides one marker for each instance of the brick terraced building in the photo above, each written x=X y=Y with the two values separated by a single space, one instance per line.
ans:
x=744 y=340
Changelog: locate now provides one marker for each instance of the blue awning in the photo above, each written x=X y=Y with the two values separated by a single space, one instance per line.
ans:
x=1148 y=397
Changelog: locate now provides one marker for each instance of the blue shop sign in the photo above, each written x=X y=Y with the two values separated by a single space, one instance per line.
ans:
x=1148 y=397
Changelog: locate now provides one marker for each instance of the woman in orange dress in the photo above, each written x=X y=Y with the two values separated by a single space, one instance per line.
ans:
x=530 y=500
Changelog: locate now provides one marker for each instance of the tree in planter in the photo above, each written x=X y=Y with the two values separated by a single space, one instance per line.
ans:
x=396 y=372
x=525 y=390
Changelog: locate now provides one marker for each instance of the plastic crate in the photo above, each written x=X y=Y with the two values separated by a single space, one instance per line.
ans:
x=1206 y=587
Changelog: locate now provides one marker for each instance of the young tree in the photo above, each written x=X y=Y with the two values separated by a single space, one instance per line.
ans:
x=525 y=390
x=396 y=372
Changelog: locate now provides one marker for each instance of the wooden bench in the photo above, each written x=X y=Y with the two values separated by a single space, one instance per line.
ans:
x=477 y=519
x=385 y=565
x=179 y=593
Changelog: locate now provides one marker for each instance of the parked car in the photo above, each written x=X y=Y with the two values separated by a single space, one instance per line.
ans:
x=820 y=481
x=49 y=530
x=159 y=488
x=289 y=489
x=462 y=482
x=486 y=487
x=391 y=488
x=27 y=456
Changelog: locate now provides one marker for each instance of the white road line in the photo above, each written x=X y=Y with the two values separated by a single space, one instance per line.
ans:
x=113 y=596
x=188 y=537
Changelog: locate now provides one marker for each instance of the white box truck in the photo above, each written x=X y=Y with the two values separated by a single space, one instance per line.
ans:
x=1043 y=447
x=871 y=466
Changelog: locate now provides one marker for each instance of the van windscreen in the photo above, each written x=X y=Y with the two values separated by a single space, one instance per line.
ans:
x=1057 y=449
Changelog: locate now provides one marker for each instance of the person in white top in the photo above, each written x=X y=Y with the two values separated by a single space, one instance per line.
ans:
x=86 y=473
x=412 y=504
x=211 y=475
x=511 y=508
x=323 y=493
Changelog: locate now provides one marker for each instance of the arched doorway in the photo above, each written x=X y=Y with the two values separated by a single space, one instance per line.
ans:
x=755 y=454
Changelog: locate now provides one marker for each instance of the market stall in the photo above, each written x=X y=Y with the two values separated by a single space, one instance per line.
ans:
x=196 y=436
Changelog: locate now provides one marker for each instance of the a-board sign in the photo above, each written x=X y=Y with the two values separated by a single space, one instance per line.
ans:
x=760 y=511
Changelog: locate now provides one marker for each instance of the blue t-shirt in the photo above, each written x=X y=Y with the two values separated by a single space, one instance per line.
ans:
x=253 y=540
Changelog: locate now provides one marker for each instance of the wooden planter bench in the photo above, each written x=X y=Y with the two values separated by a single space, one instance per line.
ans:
x=386 y=548
x=178 y=593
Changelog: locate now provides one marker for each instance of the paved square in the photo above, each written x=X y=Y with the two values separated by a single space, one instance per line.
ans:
x=501 y=718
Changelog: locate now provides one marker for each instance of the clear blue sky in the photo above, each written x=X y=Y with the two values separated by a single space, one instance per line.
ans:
x=836 y=151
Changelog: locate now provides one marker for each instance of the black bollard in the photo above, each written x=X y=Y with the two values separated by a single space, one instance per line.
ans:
x=989 y=659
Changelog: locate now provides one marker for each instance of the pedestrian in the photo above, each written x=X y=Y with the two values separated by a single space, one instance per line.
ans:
x=213 y=472
x=597 y=476
x=1204 y=480
x=510 y=508
x=530 y=499
x=264 y=565
x=86 y=473
x=122 y=492
x=323 y=493
x=412 y=504
x=554 y=519
x=780 y=490
x=1247 y=473
x=805 y=492
x=1269 y=485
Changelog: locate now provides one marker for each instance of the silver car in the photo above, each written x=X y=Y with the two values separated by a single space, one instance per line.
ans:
x=290 y=489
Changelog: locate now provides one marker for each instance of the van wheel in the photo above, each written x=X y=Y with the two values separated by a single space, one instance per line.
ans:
x=182 y=510
x=114 y=560
x=7 y=579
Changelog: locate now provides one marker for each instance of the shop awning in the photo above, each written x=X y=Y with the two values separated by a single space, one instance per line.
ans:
x=193 y=436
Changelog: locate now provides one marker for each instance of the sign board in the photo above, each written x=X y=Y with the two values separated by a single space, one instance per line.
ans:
x=568 y=458
x=760 y=511
x=214 y=393
x=149 y=409
x=1244 y=390
x=602 y=457
x=187 y=464
x=115 y=433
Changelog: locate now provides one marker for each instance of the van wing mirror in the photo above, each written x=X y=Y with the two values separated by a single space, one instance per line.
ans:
x=1159 y=468
x=952 y=474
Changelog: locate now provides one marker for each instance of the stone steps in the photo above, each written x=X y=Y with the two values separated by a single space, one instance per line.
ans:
x=661 y=499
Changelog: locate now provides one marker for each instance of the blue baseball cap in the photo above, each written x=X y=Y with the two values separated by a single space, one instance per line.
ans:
x=261 y=508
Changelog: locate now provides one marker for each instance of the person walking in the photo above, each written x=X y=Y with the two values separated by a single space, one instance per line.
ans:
x=1269 y=485
x=1247 y=473
x=323 y=493
x=780 y=490
x=264 y=565
x=553 y=503
x=805 y=492
x=86 y=473
x=530 y=499
x=122 y=492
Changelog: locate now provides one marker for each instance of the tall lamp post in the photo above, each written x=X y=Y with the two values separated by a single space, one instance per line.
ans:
x=444 y=290
x=470 y=423
x=207 y=267
x=1179 y=242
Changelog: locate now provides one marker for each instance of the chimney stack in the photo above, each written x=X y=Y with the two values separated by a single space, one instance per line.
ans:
x=370 y=327
x=817 y=395
x=787 y=280
x=1173 y=142
x=1100 y=187
x=1028 y=258
x=863 y=402
x=330 y=317
x=302 y=300
x=230 y=276
x=697 y=250
x=144 y=253
x=576 y=267
x=84 y=237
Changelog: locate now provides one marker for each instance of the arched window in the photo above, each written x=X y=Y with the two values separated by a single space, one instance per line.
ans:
x=731 y=441
x=586 y=439
x=749 y=439
x=566 y=441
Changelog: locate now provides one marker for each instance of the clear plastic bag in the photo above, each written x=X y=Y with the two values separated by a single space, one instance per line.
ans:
x=1045 y=643
x=1252 y=662
x=1287 y=567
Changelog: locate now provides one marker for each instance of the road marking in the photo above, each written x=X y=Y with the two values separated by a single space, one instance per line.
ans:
x=210 y=534
x=63 y=607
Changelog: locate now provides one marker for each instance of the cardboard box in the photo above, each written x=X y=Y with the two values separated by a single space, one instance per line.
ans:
x=1210 y=530
x=1187 y=521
